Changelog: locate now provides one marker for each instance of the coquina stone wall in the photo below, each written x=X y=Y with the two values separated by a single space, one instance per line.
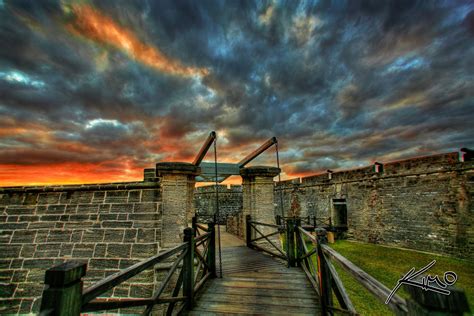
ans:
x=421 y=203
x=230 y=201
x=109 y=226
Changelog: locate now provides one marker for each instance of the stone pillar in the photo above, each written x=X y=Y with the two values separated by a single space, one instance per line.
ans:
x=177 y=189
x=258 y=196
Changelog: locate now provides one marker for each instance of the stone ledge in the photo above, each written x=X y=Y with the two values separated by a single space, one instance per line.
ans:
x=81 y=187
x=259 y=171
x=185 y=168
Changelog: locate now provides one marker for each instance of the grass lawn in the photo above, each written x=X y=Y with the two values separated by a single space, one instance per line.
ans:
x=388 y=265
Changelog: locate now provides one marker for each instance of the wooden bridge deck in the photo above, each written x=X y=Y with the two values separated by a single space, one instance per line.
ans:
x=254 y=283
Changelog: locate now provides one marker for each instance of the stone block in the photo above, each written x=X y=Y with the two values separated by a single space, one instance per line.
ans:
x=153 y=195
x=29 y=290
x=104 y=208
x=114 y=235
x=104 y=263
x=85 y=209
x=118 y=250
x=134 y=196
x=144 y=250
x=141 y=290
x=56 y=209
x=149 y=207
x=24 y=236
x=10 y=251
x=100 y=250
x=145 y=235
x=93 y=235
x=6 y=276
x=130 y=235
x=19 y=276
x=121 y=208
x=144 y=217
x=28 y=251
x=20 y=210
x=49 y=198
x=116 y=197
x=99 y=197
x=12 y=198
x=59 y=236
x=117 y=224
x=7 y=290
x=38 y=264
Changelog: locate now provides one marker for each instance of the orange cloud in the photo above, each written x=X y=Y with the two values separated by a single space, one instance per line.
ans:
x=68 y=173
x=93 y=25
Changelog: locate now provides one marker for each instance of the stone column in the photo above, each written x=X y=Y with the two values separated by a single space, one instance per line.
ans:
x=258 y=196
x=177 y=189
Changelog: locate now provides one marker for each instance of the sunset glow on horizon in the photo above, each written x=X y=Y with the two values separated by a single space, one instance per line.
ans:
x=97 y=91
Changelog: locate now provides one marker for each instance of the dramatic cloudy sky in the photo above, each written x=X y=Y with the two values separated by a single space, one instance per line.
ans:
x=95 y=91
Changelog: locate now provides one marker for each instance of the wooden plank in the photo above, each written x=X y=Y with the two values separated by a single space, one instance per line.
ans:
x=340 y=290
x=282 y=293
x=284 y=283
x=261 y=308
x=252 y=299
x=106 y=284
x=262 y=285
x=223 y=169
x=397 y=304
x=264 y=224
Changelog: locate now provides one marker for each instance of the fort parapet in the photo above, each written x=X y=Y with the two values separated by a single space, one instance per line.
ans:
x=108 y=226
x=421 y=203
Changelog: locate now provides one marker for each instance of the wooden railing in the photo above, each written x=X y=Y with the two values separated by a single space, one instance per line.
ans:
x=316 y=262
x=254 y=234
x=63 y=294
x=315 y=257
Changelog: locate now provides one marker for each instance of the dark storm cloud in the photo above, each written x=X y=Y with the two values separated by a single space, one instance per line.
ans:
x=339 y=83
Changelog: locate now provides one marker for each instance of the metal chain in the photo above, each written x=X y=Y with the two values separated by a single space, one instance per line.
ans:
x=279 y=179
x=217 y=213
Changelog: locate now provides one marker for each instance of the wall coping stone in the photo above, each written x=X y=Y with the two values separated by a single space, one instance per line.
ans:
x=81 y=187
x=177 y=168
x=259 y=171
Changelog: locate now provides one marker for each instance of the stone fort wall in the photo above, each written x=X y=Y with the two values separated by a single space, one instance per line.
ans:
x=421 y=203
x=230 y=201
x=109 y=226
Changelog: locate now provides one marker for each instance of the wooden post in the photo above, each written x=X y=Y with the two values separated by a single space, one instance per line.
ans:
x=63 y=293
x=299 y=246
x=188 y=268
x=423 y=302
x=325 y=281
x=211 y=255
x=194 y=224
x=248 y=231
x=278 y=219
x=290 y=242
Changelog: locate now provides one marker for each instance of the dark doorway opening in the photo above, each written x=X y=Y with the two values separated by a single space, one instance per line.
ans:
x=339 y=218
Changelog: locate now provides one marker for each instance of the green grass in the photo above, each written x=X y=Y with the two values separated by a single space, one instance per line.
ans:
x=388 y=264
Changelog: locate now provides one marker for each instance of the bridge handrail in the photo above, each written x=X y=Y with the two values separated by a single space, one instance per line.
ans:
x=375 y=287
x=64 y=294
x=123 y=275
x=254 y=234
